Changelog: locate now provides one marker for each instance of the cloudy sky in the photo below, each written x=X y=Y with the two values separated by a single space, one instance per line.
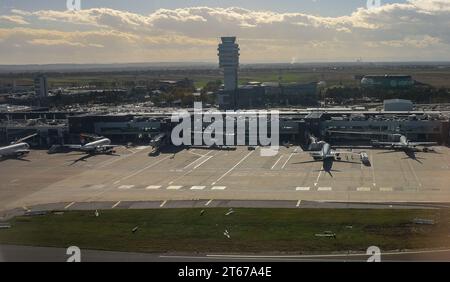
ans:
x=115 y=31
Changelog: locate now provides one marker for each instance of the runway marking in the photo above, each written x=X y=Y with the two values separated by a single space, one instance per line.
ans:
x=125 y=187
x=414 y=172
x=213 y=256
x=318 y=177
x=219 y=188
x=117 y=182
x=145 y=168
x=163 y=204
x=299 y=203
x=116 y=204
x=109 y=162
x=386 y=189
x=194 y=168
x=231 y=169
x=325 y=189
x=174 y=187
x=372 y=164
x=198 y=187
x=96 y=187
x=302 y=188
x=209 y=202
x=286 y=162
x=153 y=187
x=363 y=189
x=198 y=159
x=69 y=205
x=277 y=161
x=207 y=159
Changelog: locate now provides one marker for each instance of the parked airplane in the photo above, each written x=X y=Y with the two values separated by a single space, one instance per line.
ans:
x=99 y=145
x=321 y=151
x=17 y=149
x=403 y=143
x=157 y=143
x=399 y=143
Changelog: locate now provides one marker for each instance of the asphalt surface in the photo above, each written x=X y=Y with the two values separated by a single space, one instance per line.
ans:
x=44 y=254
x=194 y=177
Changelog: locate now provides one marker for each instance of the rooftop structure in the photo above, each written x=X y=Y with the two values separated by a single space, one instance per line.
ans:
x=387 y=81
x=398 y=105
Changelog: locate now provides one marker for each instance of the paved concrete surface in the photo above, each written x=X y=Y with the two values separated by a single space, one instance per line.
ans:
x=136 y=180
x=39 y=254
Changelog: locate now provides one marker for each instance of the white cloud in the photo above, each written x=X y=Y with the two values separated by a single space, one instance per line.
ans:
x=185 y=34
x=13 y=19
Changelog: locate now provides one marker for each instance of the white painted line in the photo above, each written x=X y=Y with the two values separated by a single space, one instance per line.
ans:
x=116 y=204
x=414 y=172
x=324 y=189
x=183 y=175
x=299 y=203
x=312 y=256
x=117 y=182
x=69 y=205
x=153 y=187
x=174 y=187
x=317 y=179
x=363 y=189
x=277 y=161
x=302 y=188
x=207 y=159
x=196 y=160
x=386 y=189
x=286 y=162
x=125 y=187
x=97 y=187
x=231 y=169
x=209 y=202
x=110 y=162
x=145 y=168
x=198 y=187
x=163 y=204
x=219 y=188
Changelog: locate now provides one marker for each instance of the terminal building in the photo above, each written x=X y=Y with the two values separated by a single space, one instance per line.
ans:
x=295 y=125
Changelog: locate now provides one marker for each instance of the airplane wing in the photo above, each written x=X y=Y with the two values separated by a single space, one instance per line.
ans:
x=24 y=139
x=387 y=143
x=90 y=136
x=21 y=151
x=359 y=133
x=334 y=152
x=109 y=146
x=422 y=143
x=73 y=147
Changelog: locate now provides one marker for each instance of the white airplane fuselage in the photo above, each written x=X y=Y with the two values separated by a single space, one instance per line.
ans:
x=13 y=150
x=96 y=145
x=324 y=153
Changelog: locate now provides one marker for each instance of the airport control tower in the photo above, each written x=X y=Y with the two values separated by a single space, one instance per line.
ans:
x=229 y=61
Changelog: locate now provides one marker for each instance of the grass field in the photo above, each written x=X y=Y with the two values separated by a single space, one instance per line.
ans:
x=346 y=76
x=251 y=230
